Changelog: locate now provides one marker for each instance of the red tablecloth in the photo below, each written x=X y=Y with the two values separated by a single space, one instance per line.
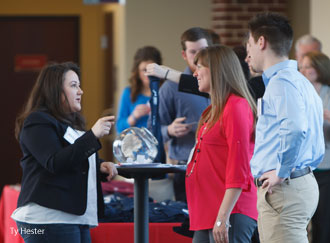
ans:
x=104 y=233
x=8 y=203
x=124 y=232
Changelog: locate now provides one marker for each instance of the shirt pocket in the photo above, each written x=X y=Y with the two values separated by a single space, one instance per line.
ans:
x=267 y=116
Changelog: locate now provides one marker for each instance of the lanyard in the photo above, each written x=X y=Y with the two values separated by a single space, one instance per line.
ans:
x=155 y=121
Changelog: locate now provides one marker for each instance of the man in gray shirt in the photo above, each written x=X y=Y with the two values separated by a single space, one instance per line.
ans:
x=180 y=112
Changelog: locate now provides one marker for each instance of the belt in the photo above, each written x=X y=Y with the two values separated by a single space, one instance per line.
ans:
x=294 y=174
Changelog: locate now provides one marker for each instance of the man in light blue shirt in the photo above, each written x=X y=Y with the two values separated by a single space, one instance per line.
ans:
x=289 y=134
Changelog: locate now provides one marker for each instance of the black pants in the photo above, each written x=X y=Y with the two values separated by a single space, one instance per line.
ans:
x=179 y=184
x=241 y=231
x=321 y=218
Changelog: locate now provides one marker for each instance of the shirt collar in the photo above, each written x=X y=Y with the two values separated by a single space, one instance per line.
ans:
x=271 y=71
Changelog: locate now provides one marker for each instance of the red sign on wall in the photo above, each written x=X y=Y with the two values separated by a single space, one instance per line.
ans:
x=30 y=62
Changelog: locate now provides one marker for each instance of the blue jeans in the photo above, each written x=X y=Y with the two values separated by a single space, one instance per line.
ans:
x=54 y=233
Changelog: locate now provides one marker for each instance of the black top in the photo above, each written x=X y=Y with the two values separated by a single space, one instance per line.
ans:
x=257 y=87
x=189 y=84
x=55 y=172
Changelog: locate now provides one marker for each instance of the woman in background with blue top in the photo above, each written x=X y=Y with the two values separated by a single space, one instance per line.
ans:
x=133 y=108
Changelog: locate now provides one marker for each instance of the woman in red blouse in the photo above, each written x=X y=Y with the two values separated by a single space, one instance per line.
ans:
x=222 y=199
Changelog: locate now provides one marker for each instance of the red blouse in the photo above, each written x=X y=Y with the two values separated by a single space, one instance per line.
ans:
x=221 y=160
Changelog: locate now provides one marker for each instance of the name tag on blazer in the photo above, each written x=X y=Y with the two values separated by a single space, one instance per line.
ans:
x=71 y=135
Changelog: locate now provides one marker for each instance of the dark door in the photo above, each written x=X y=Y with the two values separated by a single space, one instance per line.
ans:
x=26 y=44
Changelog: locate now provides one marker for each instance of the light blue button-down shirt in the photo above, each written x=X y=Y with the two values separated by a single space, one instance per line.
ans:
x=289 y=131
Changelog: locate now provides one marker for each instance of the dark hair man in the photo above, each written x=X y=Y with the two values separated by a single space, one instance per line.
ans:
x=289 y=134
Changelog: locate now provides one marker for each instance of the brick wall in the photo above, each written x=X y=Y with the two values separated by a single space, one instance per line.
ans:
x=230 y=17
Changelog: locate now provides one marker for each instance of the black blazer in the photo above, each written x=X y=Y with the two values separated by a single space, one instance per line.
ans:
x=55 y=172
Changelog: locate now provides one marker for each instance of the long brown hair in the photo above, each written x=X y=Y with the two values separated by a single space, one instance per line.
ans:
x=147 y=53
x=226 y=78
x=321 y=63
x=46 y=95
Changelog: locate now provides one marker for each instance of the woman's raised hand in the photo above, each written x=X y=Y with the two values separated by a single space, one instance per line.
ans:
x=103 y=126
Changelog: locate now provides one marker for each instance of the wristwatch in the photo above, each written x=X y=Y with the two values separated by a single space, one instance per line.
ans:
x=219 y=224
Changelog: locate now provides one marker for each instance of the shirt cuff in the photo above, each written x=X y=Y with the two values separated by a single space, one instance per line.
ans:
x=244 y=186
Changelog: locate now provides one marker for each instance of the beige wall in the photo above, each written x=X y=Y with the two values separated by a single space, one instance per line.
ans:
x=161 y=23
x=120 y=48
x=299 y=15
x=320 y=20
x=153 y=22
x=311 y=17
